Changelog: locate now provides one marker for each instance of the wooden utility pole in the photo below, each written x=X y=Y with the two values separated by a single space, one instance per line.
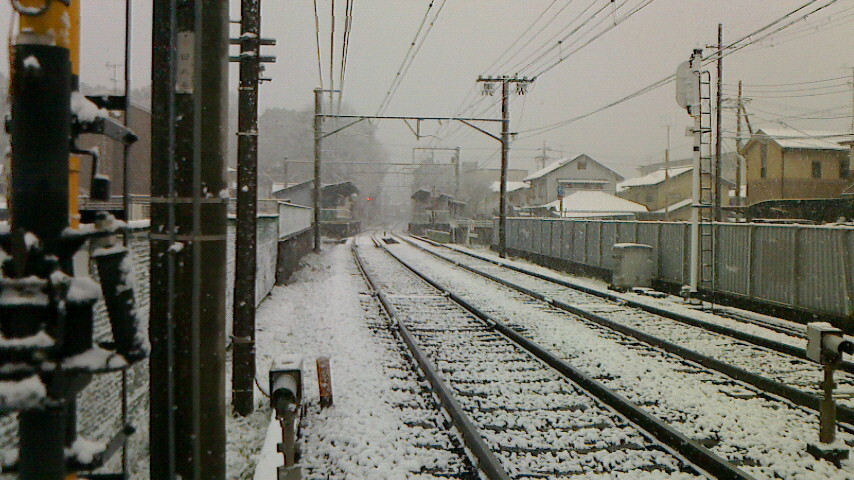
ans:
x=521 y=84
x=245 y=254
x=718 y=103
x=188 y=240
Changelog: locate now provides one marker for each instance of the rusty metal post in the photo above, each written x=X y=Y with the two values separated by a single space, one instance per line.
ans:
x=324 y=381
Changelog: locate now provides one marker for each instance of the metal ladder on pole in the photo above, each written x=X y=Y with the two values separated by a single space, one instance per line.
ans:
x=707 y=275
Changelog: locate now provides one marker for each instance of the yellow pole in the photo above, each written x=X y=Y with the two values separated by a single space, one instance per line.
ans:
x=59 y=25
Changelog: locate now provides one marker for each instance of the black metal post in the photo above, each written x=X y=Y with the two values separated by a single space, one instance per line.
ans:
x=243 y=309
x=188 y=239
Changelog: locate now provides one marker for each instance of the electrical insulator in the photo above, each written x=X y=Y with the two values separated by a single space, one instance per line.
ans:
x=488 y=89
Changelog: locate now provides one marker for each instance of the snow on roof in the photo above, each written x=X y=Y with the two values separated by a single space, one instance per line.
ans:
x=596 y=203
x=653 y=178
x=675 y=206
x=566 y=161
x=806 y=139
x=511 y=186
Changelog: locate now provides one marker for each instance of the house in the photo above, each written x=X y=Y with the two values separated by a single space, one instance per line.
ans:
x=590 y=204
x=667 y=193
x=796 y=164
x=580 y=173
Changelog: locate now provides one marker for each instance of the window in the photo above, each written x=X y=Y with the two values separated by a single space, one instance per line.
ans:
x=845 y=168
x=816 y=169
x=763 y=170
x=582 y=164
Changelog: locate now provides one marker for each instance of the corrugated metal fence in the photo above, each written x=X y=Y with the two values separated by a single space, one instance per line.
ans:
x=799 y=266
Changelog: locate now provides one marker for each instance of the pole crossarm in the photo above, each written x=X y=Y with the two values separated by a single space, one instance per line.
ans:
x=333 y=132
x=496 y=137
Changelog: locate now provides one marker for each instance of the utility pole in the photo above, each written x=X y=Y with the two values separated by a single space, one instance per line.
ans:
x=852 y=99
x=521 y=88
x=245 y=255
x=318 y=125
x=718 y=99
x=667 y=172
x=188 y=240
x=457 y=173
x=738 y=146
x=318 y=137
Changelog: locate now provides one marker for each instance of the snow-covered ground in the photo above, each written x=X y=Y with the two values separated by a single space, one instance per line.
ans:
x=380 y=426
x=766 y=436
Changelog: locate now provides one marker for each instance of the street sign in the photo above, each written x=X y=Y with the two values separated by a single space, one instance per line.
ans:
x=560 y=191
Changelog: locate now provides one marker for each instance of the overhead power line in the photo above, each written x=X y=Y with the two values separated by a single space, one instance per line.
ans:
x=594 y=38
x=728 y=50
x=414 y=46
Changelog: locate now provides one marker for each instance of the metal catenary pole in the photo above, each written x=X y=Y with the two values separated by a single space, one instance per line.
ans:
x=696 y=64
x=243 y=307
x=188 y=240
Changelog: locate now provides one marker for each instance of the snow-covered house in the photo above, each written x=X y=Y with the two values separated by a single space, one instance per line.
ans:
x=590 y=204
x=666 y=192
x=580 y=173
x=799 y=164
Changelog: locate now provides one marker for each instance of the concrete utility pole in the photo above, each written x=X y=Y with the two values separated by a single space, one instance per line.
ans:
x=188 y=240
x=318 y=125
x=667 y=172
x=738 y=146
x=521 y=85
x=245 y=255
x=719 y=100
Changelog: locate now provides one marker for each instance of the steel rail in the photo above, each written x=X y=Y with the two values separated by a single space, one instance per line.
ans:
x=813 y=402
x=700 y=456
x=486 y=459
x=757 y=340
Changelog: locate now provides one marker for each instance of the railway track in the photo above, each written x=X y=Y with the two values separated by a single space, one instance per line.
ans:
x=780 y=371
x=435 y=444
x=764 y=434
x=788 y=341
x=524 y=412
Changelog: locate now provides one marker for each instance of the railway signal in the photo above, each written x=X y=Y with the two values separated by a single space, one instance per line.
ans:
x=45 y=310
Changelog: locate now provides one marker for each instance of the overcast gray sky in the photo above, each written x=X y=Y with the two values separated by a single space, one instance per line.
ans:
x=469 y=35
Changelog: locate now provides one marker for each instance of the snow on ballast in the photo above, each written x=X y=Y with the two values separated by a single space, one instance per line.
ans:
x=536 y=422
